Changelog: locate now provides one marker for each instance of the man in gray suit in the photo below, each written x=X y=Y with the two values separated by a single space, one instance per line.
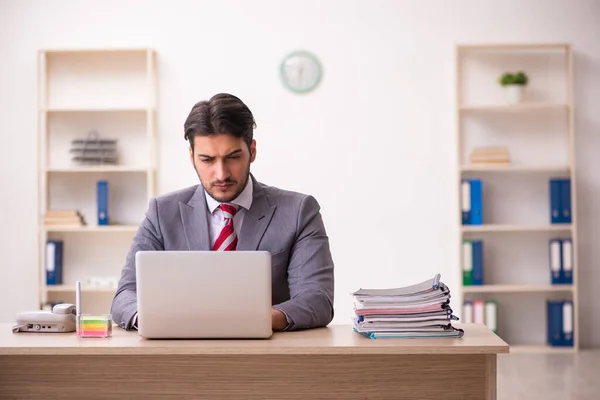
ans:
x=230 y=210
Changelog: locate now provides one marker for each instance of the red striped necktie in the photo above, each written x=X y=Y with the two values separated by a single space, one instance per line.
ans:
x=227 y=240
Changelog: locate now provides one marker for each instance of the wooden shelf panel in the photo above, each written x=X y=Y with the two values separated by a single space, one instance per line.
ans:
x=563 y=169
x=516 y=228
x=92 y=228
x=517 y=107
x=71 y=288
x=98 y=109
x=514 y=46
x=516 y=288
x=99 y=168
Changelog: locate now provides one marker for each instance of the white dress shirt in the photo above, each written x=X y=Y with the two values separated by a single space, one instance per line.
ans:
x=215 y=215
x=216 y=222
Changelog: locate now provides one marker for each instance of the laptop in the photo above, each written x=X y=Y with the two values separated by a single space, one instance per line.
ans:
x=204 y=294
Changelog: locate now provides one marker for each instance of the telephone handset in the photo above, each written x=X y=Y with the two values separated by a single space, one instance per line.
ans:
x=60 y=319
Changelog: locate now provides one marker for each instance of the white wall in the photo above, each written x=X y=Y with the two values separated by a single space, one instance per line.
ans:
x=375 y=143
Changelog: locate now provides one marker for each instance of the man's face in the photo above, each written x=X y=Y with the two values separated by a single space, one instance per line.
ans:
x=222 y=163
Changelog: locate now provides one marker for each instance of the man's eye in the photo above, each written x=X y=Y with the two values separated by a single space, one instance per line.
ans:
x=206 y=161
x=234 y=157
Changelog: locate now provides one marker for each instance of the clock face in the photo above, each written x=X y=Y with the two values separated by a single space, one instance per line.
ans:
x=300 y=71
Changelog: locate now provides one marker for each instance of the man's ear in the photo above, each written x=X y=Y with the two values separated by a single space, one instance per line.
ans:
x=191 y=155
x=253 y=150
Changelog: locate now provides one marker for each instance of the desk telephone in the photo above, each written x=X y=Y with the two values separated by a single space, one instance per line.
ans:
x=62 y=318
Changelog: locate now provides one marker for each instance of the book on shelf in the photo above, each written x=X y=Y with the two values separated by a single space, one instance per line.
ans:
x=490 y=156
x=63 y=218
x=421 y=310
x=53 y=262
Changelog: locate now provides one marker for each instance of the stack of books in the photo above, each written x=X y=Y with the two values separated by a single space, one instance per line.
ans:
x=63 y=218
x=417 y=311
x=490 y=156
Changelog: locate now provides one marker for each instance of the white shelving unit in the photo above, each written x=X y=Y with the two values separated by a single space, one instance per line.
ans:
x=112 y=92
x=539 y=134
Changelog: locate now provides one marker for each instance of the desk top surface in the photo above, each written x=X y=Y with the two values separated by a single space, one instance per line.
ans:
x=335 y=339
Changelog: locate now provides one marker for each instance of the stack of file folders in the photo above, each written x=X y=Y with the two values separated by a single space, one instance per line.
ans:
x=417 y=311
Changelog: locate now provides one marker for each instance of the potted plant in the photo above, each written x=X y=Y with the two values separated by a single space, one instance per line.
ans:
x=514 y=85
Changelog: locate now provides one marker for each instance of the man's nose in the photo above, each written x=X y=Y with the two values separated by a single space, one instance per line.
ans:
x=221 y=172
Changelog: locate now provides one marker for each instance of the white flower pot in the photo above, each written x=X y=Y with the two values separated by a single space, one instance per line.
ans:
x=514 y=93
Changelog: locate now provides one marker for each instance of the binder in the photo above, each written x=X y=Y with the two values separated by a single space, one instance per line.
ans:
x=479 y=311
x=566 y=276
x=467 y=317
x=467 y=263
x=567 y=323
x=560 y=323
x=565 y=201
x=555 y=256
x=491 y=315
x=554 y=314
x=555 y=195
x=465 y=188
x=54 y=262
x=102 y=205
x=476 y=201
x=477 y=262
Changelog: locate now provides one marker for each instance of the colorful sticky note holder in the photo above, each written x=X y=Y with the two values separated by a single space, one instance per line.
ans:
x=98 y=326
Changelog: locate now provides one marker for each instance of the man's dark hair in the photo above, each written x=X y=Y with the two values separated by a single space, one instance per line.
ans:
x=223 y=113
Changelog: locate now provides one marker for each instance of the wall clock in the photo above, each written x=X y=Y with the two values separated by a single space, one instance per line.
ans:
x=300 y=71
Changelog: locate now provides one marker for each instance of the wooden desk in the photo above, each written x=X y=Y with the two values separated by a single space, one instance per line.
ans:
x=327 y=363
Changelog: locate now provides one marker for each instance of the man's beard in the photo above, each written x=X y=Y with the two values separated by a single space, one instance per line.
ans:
x=214 y=191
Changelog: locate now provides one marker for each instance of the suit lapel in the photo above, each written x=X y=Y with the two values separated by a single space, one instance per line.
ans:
x=195 y=223
x=256 y=220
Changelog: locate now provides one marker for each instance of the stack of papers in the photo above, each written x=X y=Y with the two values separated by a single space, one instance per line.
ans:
x=417 y=311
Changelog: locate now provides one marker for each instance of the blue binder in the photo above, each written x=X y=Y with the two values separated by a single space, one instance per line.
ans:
x=465 y=198
x=555 y=260
x=555 y=196
x=477 y=246
x=565 y=201
x=566 y=266
x=560 y=322
x=554 y=311
x=476 y=201
x=54 y=262
x=102 y=193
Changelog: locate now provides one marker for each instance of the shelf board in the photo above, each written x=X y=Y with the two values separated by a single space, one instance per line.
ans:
x=92 y=228
x=516 y=228
x=536 y=349
x=98 y=168
x=71 y=288
x=96 y=109
x=514 y=46
x=517 y=107
x=515 y=168
x=516 y=288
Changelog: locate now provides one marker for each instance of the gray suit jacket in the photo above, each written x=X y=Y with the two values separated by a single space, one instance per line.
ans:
x=287 y=224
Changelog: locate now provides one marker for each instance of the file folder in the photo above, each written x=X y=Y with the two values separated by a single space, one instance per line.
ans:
x=555 y=196
x=476 y=201
x=555 y=256
x=565 y=201
x=467 y=317
x=567 y=262
x=567 y=323
x=467 y=263
x=54 y=262
x=102 y=196
x=479 y=311
x=477 y=262
x=466 y=201
x=560 y=322
x=491 y=315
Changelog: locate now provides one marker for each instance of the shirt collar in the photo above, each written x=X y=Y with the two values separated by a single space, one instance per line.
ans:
x=244 y=199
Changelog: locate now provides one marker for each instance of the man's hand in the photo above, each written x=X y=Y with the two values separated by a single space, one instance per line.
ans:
x=279 y=320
